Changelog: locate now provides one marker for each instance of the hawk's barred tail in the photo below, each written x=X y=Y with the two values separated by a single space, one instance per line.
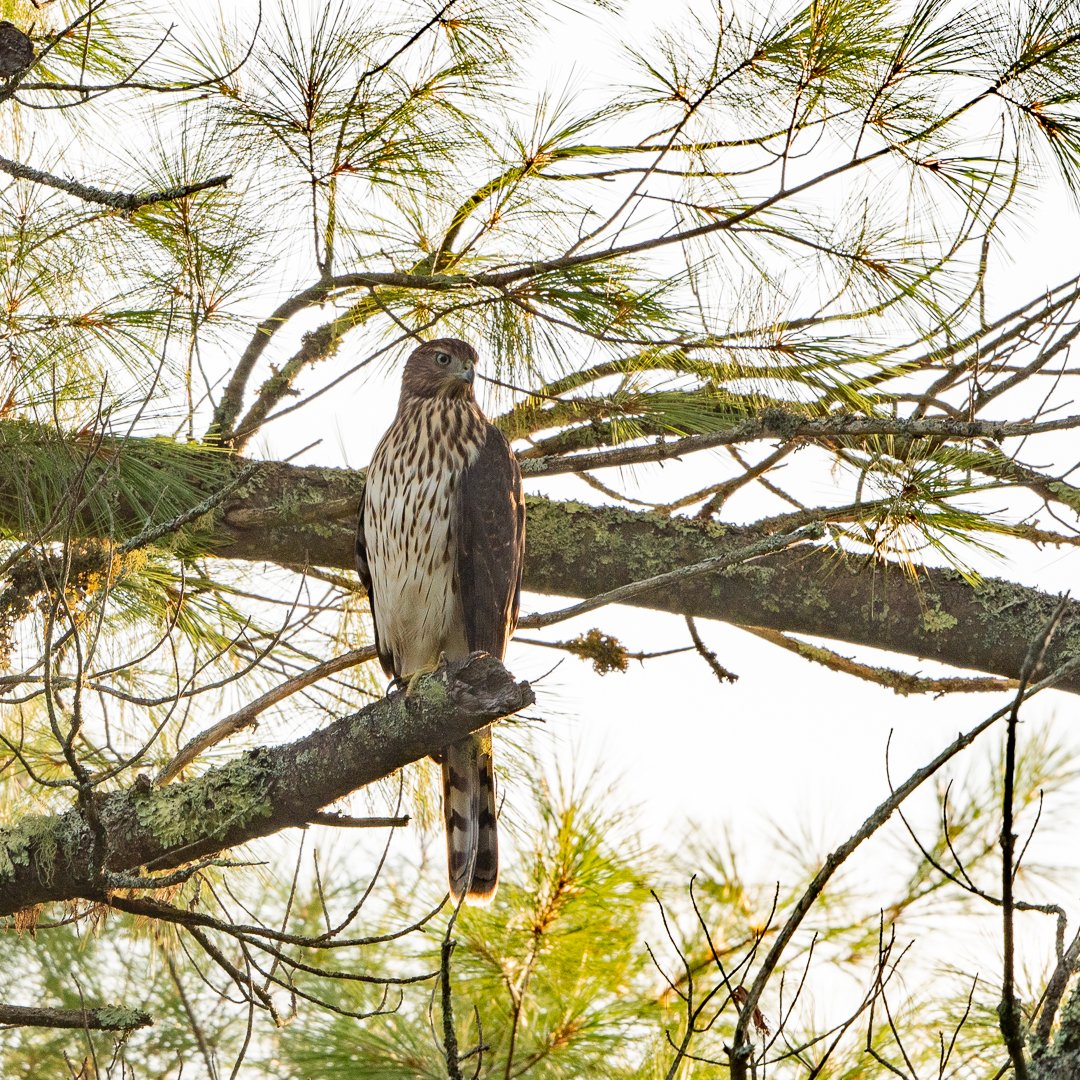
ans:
x=472 y=839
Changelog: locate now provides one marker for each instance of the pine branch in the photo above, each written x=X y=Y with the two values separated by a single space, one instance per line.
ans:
x=114 y=200
x=776 y=423
x=305 y=516
x=260 y=792
x=99 y=1018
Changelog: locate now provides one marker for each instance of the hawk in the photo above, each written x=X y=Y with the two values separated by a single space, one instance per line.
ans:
x=439 y=549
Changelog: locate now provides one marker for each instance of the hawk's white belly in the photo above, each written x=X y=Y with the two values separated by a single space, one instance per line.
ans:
x=408 y=529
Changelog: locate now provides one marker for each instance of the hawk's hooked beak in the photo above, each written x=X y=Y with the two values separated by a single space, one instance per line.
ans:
x=467 y=374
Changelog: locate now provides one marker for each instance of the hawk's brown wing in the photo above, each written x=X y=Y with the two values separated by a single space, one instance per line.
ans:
x=364 y=573
x=489 y=530
x=361 y=548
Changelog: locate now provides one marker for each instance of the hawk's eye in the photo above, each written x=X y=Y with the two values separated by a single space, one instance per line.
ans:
x=442 y=358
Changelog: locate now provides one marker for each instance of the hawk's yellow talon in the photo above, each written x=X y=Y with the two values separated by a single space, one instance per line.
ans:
x=411 y=681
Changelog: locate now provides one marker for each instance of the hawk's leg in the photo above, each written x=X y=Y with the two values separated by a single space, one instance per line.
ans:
x=410 y=682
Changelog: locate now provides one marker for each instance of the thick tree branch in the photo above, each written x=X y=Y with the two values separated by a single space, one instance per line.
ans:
x=625 y=593
x=259 y=793
x=305 y=516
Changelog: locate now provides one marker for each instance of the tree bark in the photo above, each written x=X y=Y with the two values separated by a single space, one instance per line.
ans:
x=99 y=1018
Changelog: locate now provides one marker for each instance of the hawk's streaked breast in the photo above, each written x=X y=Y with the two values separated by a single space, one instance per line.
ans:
x=411 y=488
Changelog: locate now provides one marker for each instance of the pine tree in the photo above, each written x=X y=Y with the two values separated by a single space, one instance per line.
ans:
x=770 y=252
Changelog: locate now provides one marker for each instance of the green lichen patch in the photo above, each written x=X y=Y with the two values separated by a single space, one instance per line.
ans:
x=433 y=692
x=118 y=1018
x=936 y=621
x=762 y=581
x=1066 y=493
x=30 y=834
x=813 y=595
x=1061 y=1060
x=209 y=806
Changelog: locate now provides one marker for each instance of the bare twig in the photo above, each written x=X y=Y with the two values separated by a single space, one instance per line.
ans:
x=342 y=821
x=706 y=654
x=1008 y=1009
x=900 y=682
x=248 y=714
x=742 y=1048
x=450 y=1043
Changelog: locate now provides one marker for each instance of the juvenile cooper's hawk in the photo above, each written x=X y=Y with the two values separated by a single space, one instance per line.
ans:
x=439 y=550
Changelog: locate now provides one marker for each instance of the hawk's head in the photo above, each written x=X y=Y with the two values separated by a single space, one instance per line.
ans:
x=442 y=368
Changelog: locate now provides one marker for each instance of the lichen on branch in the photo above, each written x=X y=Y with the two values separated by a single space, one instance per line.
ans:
x=260 y=792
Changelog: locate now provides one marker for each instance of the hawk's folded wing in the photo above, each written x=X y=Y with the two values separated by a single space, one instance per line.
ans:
x=489 y=529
